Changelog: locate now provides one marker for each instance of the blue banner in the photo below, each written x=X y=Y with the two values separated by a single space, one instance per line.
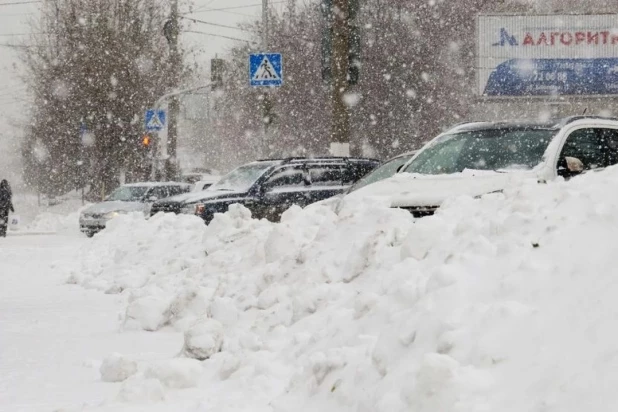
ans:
x=551 y=77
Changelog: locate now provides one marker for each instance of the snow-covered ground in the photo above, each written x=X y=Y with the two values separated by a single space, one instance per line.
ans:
x=37 y=216
x=53 y=336
x=501 y=303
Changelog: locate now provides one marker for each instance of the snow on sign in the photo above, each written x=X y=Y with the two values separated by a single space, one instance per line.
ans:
x=155 y=120
x=266 y=69
x=547 y=55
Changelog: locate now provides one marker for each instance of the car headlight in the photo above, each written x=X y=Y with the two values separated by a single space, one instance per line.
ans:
x=188 y=209
x=111 y=215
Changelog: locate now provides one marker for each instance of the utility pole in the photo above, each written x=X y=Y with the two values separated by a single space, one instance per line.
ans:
x=340 y=127
x=265 y=25
x=266 y=103
x=172 y=31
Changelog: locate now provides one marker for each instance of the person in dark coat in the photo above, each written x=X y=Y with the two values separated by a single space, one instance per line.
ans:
x=6 y=205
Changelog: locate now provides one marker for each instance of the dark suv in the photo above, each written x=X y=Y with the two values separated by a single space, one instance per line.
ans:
x=270 y=187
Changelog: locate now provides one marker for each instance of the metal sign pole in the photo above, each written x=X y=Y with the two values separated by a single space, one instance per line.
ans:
x=266 y=115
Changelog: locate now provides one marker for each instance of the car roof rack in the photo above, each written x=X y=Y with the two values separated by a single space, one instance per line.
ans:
x=570 y=119
x=316 y=158
x=554 y=123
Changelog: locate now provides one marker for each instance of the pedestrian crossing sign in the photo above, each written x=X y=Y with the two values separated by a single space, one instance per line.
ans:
x=155 y=120
x=266 y=69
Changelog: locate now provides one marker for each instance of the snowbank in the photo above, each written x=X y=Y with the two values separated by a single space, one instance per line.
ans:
x=117 y=368
x=38 y=215
x=47 y=222
x=501 y=303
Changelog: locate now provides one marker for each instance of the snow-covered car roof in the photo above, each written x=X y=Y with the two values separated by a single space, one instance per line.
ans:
x=156 y=184
x=551 y=124
x=468 y=127
x=208 y=179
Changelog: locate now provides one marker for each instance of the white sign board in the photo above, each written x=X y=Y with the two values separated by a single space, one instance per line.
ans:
x=547 y=55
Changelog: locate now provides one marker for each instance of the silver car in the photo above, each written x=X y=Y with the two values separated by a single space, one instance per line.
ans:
x=134 y=197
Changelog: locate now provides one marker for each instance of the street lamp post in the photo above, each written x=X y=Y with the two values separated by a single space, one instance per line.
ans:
x=266 y=103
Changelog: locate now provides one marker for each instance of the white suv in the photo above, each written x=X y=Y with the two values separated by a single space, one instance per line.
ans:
x=478 y=158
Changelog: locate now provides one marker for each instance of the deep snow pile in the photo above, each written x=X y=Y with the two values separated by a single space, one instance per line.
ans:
x=36 y=215
x=48 y=222
x=502 y=303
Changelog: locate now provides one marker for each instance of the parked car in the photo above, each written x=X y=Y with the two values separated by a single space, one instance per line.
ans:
x=484 y=157
x=270 y=187
x=133 y=197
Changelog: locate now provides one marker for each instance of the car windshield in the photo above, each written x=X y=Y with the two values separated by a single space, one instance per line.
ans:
x=242 y=178
x=128 y=194
x=493 y=149
x=385 y=171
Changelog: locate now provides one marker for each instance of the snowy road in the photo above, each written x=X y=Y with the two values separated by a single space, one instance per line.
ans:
x=53 y=336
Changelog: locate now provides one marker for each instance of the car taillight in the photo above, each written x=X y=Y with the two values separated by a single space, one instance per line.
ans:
x=199 y=209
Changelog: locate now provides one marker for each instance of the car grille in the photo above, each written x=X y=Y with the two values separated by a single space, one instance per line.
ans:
x=165 y=208
x=420 y=211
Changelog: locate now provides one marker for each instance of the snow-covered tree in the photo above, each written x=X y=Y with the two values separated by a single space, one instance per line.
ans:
x=93 y=68
x=416 y=77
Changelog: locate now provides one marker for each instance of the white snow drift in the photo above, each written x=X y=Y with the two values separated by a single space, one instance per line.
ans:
x=505 y=303
x=117 y=368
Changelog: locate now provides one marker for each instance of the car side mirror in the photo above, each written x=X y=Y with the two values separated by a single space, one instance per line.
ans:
x=570 y=166
x=574 y=165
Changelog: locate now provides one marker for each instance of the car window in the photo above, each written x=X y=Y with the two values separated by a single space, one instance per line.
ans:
x=490 y=149
x=385 y=171
x=586 y=145
x=242 y=178
x=326 y=175
x=175 y=190
x=128 y=194
x=357 y=170
x=160 y=192
x=610 y=144
x=287 y=178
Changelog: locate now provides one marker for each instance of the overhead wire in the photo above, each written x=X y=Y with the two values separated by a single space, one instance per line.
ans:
x=17 y=3
x=18 y=34
x=217 y=24
x=16 y=46
x=226 y=9
x=205 y=6
x=216 y=35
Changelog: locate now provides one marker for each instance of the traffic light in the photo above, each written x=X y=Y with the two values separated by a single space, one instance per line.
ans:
x=217 y=67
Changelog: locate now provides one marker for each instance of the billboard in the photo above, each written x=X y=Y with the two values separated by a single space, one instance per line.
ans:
x=547 y=55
